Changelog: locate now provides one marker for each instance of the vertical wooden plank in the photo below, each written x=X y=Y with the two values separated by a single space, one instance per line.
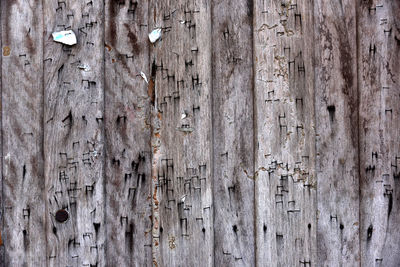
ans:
x=128 y=132
x=233 y=136
x=23 y=231
x=336 y=102
x=1 y=150
x=180 y=80
x=379 y=77
x=285 y=152
x=74 y=138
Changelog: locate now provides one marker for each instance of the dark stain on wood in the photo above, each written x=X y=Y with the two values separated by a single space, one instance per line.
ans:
x=132 y=40
x=331 y=111
x=129 y=236
x=114 y=7
x=26 y=239
x=250 y=7
x=369 y=232
x=390 y=204
x=23 y=172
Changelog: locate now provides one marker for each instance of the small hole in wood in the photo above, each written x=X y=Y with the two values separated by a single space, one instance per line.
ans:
x=234 y=228
x=62 y=216
x=331 y=110
x=369 y=231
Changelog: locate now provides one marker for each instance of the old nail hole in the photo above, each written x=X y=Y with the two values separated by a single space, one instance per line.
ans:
x=153 y=69
x=369 y=231
x=341 y=226
x=331 y=110
x=96 y=227
x=62 y=216
x=203 y=230
x=24 y=232
x=234 y=228
x=265 y=228
x=309 y=226
x=161 y=229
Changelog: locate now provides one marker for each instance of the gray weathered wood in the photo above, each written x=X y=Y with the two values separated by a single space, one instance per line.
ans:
x=379 y=77
x=74 y=133
x=182 y=153
x=336 y=109
x=2 y=229
x=285 y=152
x=23 y=231
x=128 y=132
x=233 y=137
x=267 y=134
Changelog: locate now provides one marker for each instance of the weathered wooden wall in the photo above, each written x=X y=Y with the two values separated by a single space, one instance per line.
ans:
x=268 y=133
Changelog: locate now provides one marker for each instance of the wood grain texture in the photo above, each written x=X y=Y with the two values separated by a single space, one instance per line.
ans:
x=128 y=132
x=379 y=77
x=181 y=77
x=266 y=133
x=23 y=231
x=336 y=109
x=233 y=136
x=74 y=133
x=285 y=129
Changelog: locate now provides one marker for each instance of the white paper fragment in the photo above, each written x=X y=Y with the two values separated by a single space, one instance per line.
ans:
x=154 y=35
x=183 y=198
x=182 y=21
x=84 y=67
x=144 y=76
x=183 y=115
x=65 y=37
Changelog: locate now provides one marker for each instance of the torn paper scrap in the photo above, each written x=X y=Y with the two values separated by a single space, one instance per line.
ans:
x=154 y=35
x=65 y=37
x=144 y=76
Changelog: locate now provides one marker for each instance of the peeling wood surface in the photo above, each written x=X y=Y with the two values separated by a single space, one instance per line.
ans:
x=263 y=133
